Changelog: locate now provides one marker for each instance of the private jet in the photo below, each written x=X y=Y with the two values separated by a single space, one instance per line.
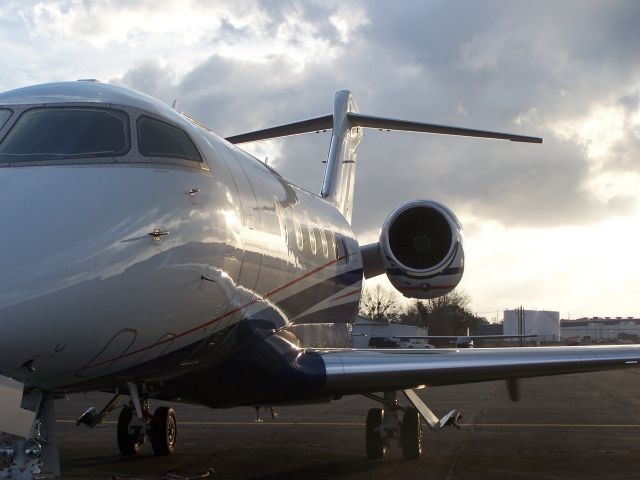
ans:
x=145 y=256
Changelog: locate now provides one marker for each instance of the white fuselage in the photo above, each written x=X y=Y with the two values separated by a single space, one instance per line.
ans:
x=86 y=291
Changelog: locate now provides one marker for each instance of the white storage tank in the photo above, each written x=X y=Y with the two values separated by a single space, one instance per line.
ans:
x=544 y=323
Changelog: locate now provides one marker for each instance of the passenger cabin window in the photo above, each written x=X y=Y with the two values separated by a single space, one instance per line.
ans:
x=159 y=139
x=323 y=239
x=4 y=116
x=42 y=134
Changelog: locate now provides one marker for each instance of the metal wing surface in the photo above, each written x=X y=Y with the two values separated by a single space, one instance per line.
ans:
x=363 y=371
x=470 y=337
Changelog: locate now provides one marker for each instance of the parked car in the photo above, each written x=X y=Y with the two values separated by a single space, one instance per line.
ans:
x=414 y=343
x=382 y=342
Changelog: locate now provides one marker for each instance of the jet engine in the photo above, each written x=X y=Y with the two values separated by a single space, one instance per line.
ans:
x=420 y=249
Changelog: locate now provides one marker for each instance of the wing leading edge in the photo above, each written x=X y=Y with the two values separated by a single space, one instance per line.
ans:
x=364 y=371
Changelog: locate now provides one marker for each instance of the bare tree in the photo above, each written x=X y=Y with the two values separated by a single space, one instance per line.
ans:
x=446 y=315
x=380 y=304
x=415 y=313
x=457 y=298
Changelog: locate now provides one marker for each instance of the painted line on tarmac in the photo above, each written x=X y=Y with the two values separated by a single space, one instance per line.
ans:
x=361 y=424
x=283 y=424
x=550 y=425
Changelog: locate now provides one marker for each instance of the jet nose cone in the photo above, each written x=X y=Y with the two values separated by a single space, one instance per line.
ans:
x=44 y=234
x=64 y=230
x=89 y=282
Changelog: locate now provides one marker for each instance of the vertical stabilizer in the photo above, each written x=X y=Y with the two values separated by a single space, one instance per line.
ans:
x=347 y=125
x=339 y=174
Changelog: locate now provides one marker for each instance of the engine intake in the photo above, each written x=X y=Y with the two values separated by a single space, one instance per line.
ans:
x=420 y=249
x=420 y=238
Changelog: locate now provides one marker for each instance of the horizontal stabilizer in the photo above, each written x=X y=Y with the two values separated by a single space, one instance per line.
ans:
x=368 y=121
x=296 y=128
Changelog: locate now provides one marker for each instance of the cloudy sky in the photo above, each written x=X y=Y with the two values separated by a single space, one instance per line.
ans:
x=553 y=226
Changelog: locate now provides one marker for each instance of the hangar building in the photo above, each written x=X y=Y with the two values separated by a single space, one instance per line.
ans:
x=364 y=329
x=602 y=329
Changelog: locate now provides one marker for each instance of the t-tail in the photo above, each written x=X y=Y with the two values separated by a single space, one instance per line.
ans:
x=340 y=171
x=347 y=124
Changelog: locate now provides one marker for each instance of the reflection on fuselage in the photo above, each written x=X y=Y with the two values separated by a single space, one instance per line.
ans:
x=242 y=246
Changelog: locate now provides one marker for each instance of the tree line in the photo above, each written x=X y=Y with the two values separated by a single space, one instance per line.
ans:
x=446 y=315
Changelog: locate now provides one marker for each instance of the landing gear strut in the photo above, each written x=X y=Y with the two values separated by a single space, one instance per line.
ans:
x=383 y=425
x=135 y=422
x=130 y=440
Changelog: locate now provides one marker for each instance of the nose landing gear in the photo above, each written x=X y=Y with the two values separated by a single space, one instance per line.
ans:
x=163 y=431
x=161 y=428
x=135 y=423
x=130 y=437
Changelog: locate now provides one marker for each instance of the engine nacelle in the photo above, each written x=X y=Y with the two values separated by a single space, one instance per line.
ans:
x=421 y=248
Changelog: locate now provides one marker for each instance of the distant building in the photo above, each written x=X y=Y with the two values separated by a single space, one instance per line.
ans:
x=364 y=329
x=322 y=335
x=489 y=329
x=544 y=323
x=602 y=329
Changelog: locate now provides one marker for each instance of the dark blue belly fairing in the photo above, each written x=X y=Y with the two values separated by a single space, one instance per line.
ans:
x=253 y=366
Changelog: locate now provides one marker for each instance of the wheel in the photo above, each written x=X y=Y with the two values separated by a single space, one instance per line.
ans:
x=128 y=444
x=411 y=434
x=163 y=431
x=376 y=447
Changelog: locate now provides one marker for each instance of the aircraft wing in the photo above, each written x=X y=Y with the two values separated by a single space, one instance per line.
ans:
x=366 y=371
x=500 y=337
x=430 y=337
x=469 y=337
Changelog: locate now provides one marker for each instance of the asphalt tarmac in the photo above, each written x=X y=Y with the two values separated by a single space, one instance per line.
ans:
x=571 y=426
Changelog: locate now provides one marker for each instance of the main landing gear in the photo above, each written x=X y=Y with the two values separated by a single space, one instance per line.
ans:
x=136 y=423
x=384 y=425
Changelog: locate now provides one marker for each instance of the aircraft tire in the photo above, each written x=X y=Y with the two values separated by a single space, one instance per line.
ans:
x=411 y=434
x=163 y=431
x=376 y=446
x=128 y=444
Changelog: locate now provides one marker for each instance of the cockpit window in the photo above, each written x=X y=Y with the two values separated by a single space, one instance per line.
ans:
x=159 y=139
x=4 y=116
x=59 y=133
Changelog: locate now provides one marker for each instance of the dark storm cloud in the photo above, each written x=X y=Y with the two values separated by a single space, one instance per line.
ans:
x=314 y=13
x=475 y=64
x=151 y=78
